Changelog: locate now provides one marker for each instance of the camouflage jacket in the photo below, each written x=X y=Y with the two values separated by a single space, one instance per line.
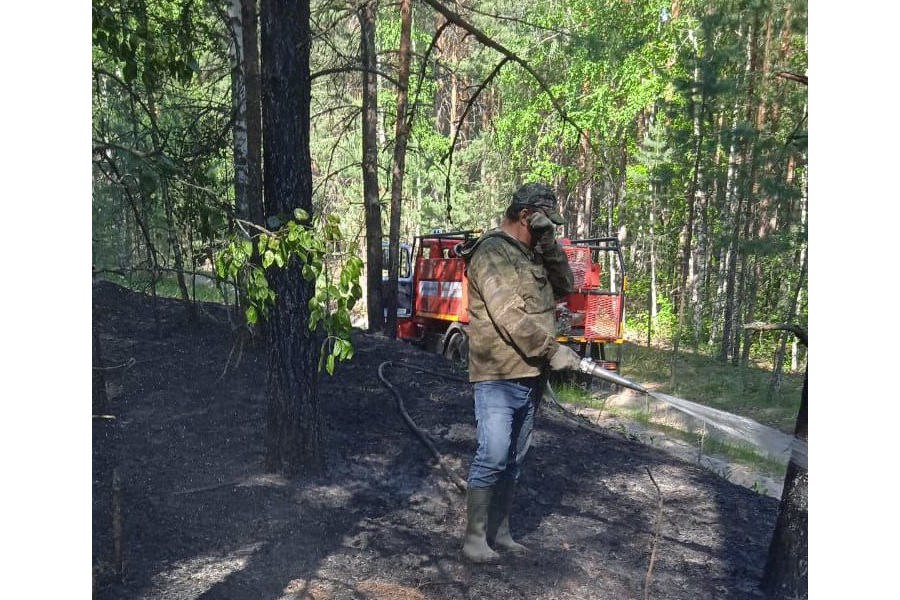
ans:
x=512 y=305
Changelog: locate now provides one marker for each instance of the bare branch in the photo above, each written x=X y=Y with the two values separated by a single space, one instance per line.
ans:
x=519 y=21
x=490 y=43
x=100 y=146
x=795 y=329
x=793 y=77
x=431 y=46
x=462 y=118
x=348 y=68
x=656 y=535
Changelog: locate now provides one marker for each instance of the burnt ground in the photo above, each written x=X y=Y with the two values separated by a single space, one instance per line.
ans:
x=197 y=517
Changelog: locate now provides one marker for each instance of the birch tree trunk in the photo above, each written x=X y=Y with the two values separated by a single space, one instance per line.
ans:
x=238 y=107
x=252 y=111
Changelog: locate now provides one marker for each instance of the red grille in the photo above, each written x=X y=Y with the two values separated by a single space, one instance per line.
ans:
x=601 y=317
x=580 y=261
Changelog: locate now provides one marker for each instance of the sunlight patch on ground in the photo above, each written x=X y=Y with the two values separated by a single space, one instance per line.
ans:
x=264 y=480
x=324 y=497
x=195 y=576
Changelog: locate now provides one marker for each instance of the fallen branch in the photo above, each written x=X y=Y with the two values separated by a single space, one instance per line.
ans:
x=656 y=536
x=795 y=329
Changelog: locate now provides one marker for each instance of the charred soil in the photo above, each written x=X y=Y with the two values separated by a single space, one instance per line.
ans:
x=182 y=508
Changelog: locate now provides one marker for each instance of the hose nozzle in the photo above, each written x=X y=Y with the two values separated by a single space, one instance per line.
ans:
x=593 y=369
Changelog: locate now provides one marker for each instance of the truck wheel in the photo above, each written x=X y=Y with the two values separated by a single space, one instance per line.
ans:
x=457 y=349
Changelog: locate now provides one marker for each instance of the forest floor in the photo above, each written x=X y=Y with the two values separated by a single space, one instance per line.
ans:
x=182 y=508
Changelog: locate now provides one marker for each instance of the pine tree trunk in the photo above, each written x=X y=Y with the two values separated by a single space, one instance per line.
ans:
x=293 y=420
x=175 y=246
x=374 y=301
x=652 y=307
x=99 y=398
x=398 y=166
x=787 y=567
x=584 y=211
x=778 y=366
x=688 y=231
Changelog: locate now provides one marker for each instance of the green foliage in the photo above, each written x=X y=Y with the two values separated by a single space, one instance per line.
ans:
x=334 y=297
x=149 y=40
x=651 y=86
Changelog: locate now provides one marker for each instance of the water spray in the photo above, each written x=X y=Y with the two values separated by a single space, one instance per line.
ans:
x=773 y=443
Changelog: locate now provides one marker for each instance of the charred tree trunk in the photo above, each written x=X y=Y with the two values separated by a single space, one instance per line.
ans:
x=787 y=567
x=98 y=379
x=294 y=422
x=399 y=166
x=374 y=300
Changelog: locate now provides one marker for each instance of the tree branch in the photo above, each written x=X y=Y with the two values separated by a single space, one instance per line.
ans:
x=469 y=104
x=415 y=102
x=348 y=68
x=656 y=535
x=793 y=77
x=519 y=21
x=510 y=55
x=795 y=329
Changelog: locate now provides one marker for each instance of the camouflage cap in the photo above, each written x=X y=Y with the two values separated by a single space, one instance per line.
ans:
x=540 y=196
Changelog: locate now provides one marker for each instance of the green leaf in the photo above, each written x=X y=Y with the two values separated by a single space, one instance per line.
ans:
x=251 y=314
x=329 y=364
x=301 y=215
x=268 y=258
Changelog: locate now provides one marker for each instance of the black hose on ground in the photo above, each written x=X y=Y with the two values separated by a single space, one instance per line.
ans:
x=574 y=418
x=456 y=479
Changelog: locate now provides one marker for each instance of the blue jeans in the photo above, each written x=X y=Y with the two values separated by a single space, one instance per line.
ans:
x=504 y=415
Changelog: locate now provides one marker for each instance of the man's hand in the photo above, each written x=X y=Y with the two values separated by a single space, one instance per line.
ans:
x=565 y=358
x=542 y=228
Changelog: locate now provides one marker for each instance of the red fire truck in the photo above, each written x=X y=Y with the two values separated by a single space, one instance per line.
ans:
x=433 y=297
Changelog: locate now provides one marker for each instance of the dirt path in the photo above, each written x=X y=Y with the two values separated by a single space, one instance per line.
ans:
x=201 y=520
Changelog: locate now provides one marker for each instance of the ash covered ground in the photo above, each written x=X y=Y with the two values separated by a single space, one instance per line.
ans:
x=178 y=473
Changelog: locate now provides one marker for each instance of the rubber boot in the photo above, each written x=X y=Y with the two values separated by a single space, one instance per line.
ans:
x=498 y=519
x=475 y=547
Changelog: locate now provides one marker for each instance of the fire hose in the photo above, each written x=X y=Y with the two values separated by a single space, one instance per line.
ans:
x=586 y=366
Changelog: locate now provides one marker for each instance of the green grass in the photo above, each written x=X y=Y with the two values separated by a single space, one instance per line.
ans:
x=705 y=380
x=167 y=287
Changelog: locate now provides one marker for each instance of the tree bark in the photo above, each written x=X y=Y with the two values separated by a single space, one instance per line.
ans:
x=787 y=567
x=99 y=398
x=374 y=301
x=175 y=245
x=238 y=107
x=294 y=421
x=250 y=20
x=398 y=167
